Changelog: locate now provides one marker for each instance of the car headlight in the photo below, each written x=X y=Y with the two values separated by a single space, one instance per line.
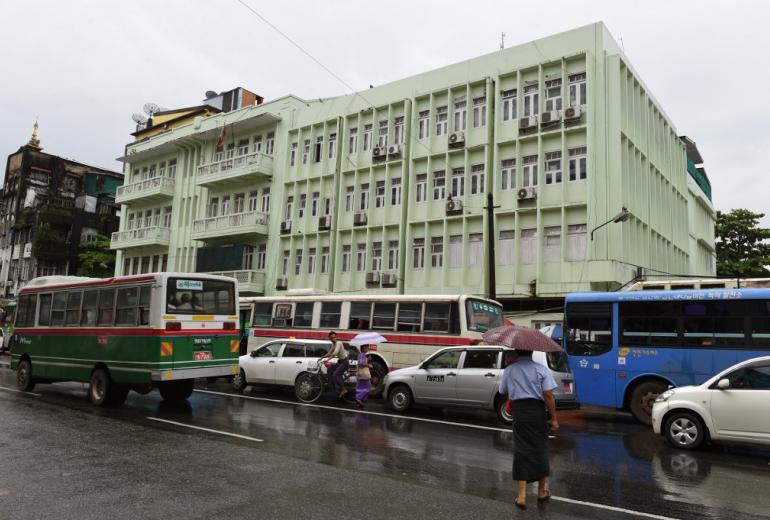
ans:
x=665 y=396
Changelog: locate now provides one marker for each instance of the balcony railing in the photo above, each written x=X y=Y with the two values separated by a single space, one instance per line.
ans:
x=249 y=281
x=228 y=226
x=154 y=188
x=234 y=170
x=147 y=236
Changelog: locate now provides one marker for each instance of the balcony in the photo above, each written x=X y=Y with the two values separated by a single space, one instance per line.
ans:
x=142 y=237
x=150 y=190
x=226 y=228
x=249 y=282
x=236 y=170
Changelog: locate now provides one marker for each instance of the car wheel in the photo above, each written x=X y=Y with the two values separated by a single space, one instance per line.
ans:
x=308 y=387
x=100 y=387
x=239 y=381
x=502 y=414
x=684 y=430
x=24 y=381
x=177 y=390
x=642 y=399
x=400 y=398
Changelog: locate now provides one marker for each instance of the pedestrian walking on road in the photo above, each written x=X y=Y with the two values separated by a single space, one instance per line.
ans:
x=338 y=371
x=363 y=377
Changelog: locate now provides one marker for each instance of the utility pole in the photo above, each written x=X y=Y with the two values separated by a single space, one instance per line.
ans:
x=502 y=41
x=491 y=238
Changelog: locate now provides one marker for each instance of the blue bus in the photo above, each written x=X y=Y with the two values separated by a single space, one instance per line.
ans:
x=627 y=347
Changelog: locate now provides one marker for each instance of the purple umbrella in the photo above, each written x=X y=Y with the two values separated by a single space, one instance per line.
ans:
x=520 y=338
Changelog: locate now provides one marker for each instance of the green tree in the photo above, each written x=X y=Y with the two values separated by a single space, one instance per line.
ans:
x=742 y=250
x=96 y=258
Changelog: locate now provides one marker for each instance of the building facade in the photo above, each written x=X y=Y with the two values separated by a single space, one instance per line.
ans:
x=385 y=190
x=49 y=206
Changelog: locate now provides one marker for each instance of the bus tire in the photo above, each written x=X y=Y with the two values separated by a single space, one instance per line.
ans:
x=24 y=380
x=176 y=390
x=400 y=398
x=643 y=397
x=378 y=371
x=239 y=381
x=100 y=387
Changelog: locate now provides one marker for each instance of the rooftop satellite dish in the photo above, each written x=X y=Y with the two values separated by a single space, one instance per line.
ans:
x=210 y=94
x=139 y=119
x=162 y=109
x=150 y=108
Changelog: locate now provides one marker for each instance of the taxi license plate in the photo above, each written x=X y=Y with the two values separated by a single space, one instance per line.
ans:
x=568 y=387
x=202 y=355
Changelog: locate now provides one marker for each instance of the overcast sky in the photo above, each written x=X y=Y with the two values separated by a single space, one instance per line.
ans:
x=84 y=66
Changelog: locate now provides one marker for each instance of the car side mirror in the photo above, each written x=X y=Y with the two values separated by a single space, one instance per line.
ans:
x=253 y=353
x=723 y=384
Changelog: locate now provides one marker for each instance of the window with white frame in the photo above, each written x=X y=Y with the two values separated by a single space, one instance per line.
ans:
x=505 y=247
x=305 y=150
x=318 y=152
x=475 y=249
x=395 y=192
x=346 y=258
x=398 y=130
x=382 y=134
x=531 y=100
x=327 y=207
x=477 y=179
x=261 y=256
x=350 y=198
x=243 y=148
x=213 y=208
x=293 y=156
x=423 y=124
x=439 y=185
x=226 y=205
x=553 y=167
x=353 y=140
x=325 y=260
x=577 y=246
x=479 y=112
x=437 y=251
x=455 y=252
x=239 y=203
x=379 y=194
x=442 y=114
x=361 y=257
x=460 y=115
x=528 y=247
x=167 y=216
x=393 y=252
x=376 y=256
x=266 y=200
x=418 y=253
x=161 y=167
x=552 y=244
x=172 y=168
x=367 y=137
x=458 y=182
x=298 y=262
x=270 y=143
x=420 y=194
x=285 y=262
x=577 y=89
x=253 y=204
x=332 y=146
x=529 y=171
x=363 y=197
x=311 y=260
x=289 y=207
x=302 y=205
x=508 y=174
x=256 y=145
x=314 y=204
x=577 y=163
x=553 y=94
x=509 y=104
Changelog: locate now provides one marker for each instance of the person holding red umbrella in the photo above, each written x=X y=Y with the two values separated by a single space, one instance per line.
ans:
x=530 y=386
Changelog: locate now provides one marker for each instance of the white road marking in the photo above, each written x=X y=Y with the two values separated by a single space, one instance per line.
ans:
x=613 y=508
x=236 y=435
x=19 y=391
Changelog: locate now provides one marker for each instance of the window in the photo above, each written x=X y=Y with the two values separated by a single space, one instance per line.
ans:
x=226 y=205
x=317 y=151
x=346 y=258
x=398 y=130
x=247 y=260
x=576 y=242
x=528 y=246
x=57 y=309
x=437 y=251
x=330 y=315
x=285 y=262
x=649 y=323
x=44 y=316
x=508 y=174
x=423 y=124
x=718 y=323
x=243 y=147
x=303 y=316
x=88 y=316
x=552 y=244
x=529 y=171
x=253 y=200
x=257 y=144
x=297 y=261
x=553 y=95
x=458 y=182
x=269 y=350
x=437 y=317
x=395 y=192
x=589 y=329
x=350 y=197
x=422 y=187
x=294 y=350
x=327 y=206
x=393 y=255
x=418 y=253
x=479 y=112
x=577 y=163
x=266 y=200
x=172 y=168
x=531 y=100
x=445 y=360
x=311 y=260
x=74 y=299
x=455 y=252
x=302 y=205
x=127 y=303
x=162 y=166
x=477 y=179
x=379 y=194
x=213 y=207
x=439 y=185
x=270 y=143
x=441 y=120
x=106 y=306
x=509 y=104
x=314 y=204
x=293 y=156
x=360 y=315
x=376 y=256
x=409 y=317
x=553 y=167
x=325 y=260
x=332 y=146
x=475 y=249
x=361 y=257
x=484 y=359
x=261 y=256
x=505 y=247
x=382 y=135
x=577 y=89
x=364 y=197
x=25 y=315
x=460 y=115
x=239 y=203
x=353 y=140
x=305 y=151
x=367 y=137
x=750 y=378
x=384 y=315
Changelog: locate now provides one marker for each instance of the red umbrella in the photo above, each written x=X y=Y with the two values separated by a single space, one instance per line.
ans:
x=520 y=338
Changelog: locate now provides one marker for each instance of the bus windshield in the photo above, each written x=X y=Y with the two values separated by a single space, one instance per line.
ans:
x=200 y=296
x=482 y=315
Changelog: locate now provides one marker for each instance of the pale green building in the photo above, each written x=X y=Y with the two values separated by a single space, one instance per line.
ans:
x=384 y=190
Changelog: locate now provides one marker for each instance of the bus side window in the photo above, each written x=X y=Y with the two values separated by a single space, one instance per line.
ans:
x=88 y=318
x=330 y=315
x=409 y=316
x=263 y=314
x=437 y=317
x=106 y=306
x=360 y=316
x=589 y=329
x=57 y=310
x=126 y=306
x=144 y=305
x=44 y=319
x=74 y=299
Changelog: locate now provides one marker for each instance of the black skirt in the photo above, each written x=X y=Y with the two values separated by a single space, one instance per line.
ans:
x=530 y=440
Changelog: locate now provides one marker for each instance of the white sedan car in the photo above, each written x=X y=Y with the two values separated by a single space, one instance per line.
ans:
x=732 y=406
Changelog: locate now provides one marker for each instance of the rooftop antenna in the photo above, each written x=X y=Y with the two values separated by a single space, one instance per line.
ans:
x=140 y=121
x=502 y=41
x=150 y=108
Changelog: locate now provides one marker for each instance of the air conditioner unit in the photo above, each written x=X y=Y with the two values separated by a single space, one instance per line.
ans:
x=454 y=206
x=373 y=277
x=379 y=152
x=548 y=118
x=525 y=123
x=281 y=282
x=324 y=222
x=286 y=226
x=527 y=193
x=573 y=113
x=359 y=219
x=456 y=139
x=394 y=149
x=389 y=280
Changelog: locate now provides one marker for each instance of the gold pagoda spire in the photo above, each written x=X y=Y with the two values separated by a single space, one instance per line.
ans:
x=34 y=142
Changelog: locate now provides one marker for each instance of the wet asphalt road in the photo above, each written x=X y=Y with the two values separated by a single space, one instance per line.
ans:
x=60 y=457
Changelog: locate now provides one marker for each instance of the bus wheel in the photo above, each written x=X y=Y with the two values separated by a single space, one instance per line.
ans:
x=24 y=381
x=239 y=381
x=378 y=371
x=177 y=390
x=100 y=388
x=642 y=399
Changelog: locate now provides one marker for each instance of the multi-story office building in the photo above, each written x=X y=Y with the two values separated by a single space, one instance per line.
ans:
x=385 y=190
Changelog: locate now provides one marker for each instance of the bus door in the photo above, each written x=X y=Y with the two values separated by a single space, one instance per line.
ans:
x=589 y=342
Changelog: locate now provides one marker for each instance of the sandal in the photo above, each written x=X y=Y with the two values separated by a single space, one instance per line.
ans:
x=546 y=497
x=520 y=505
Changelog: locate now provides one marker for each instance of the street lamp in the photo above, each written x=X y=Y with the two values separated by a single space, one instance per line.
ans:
x=620 y=217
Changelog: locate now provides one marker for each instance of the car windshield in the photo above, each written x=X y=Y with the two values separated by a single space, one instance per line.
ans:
x=191 y=296
x=482 y=315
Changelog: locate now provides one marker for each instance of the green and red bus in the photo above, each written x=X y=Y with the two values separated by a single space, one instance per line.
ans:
x=160 y=330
